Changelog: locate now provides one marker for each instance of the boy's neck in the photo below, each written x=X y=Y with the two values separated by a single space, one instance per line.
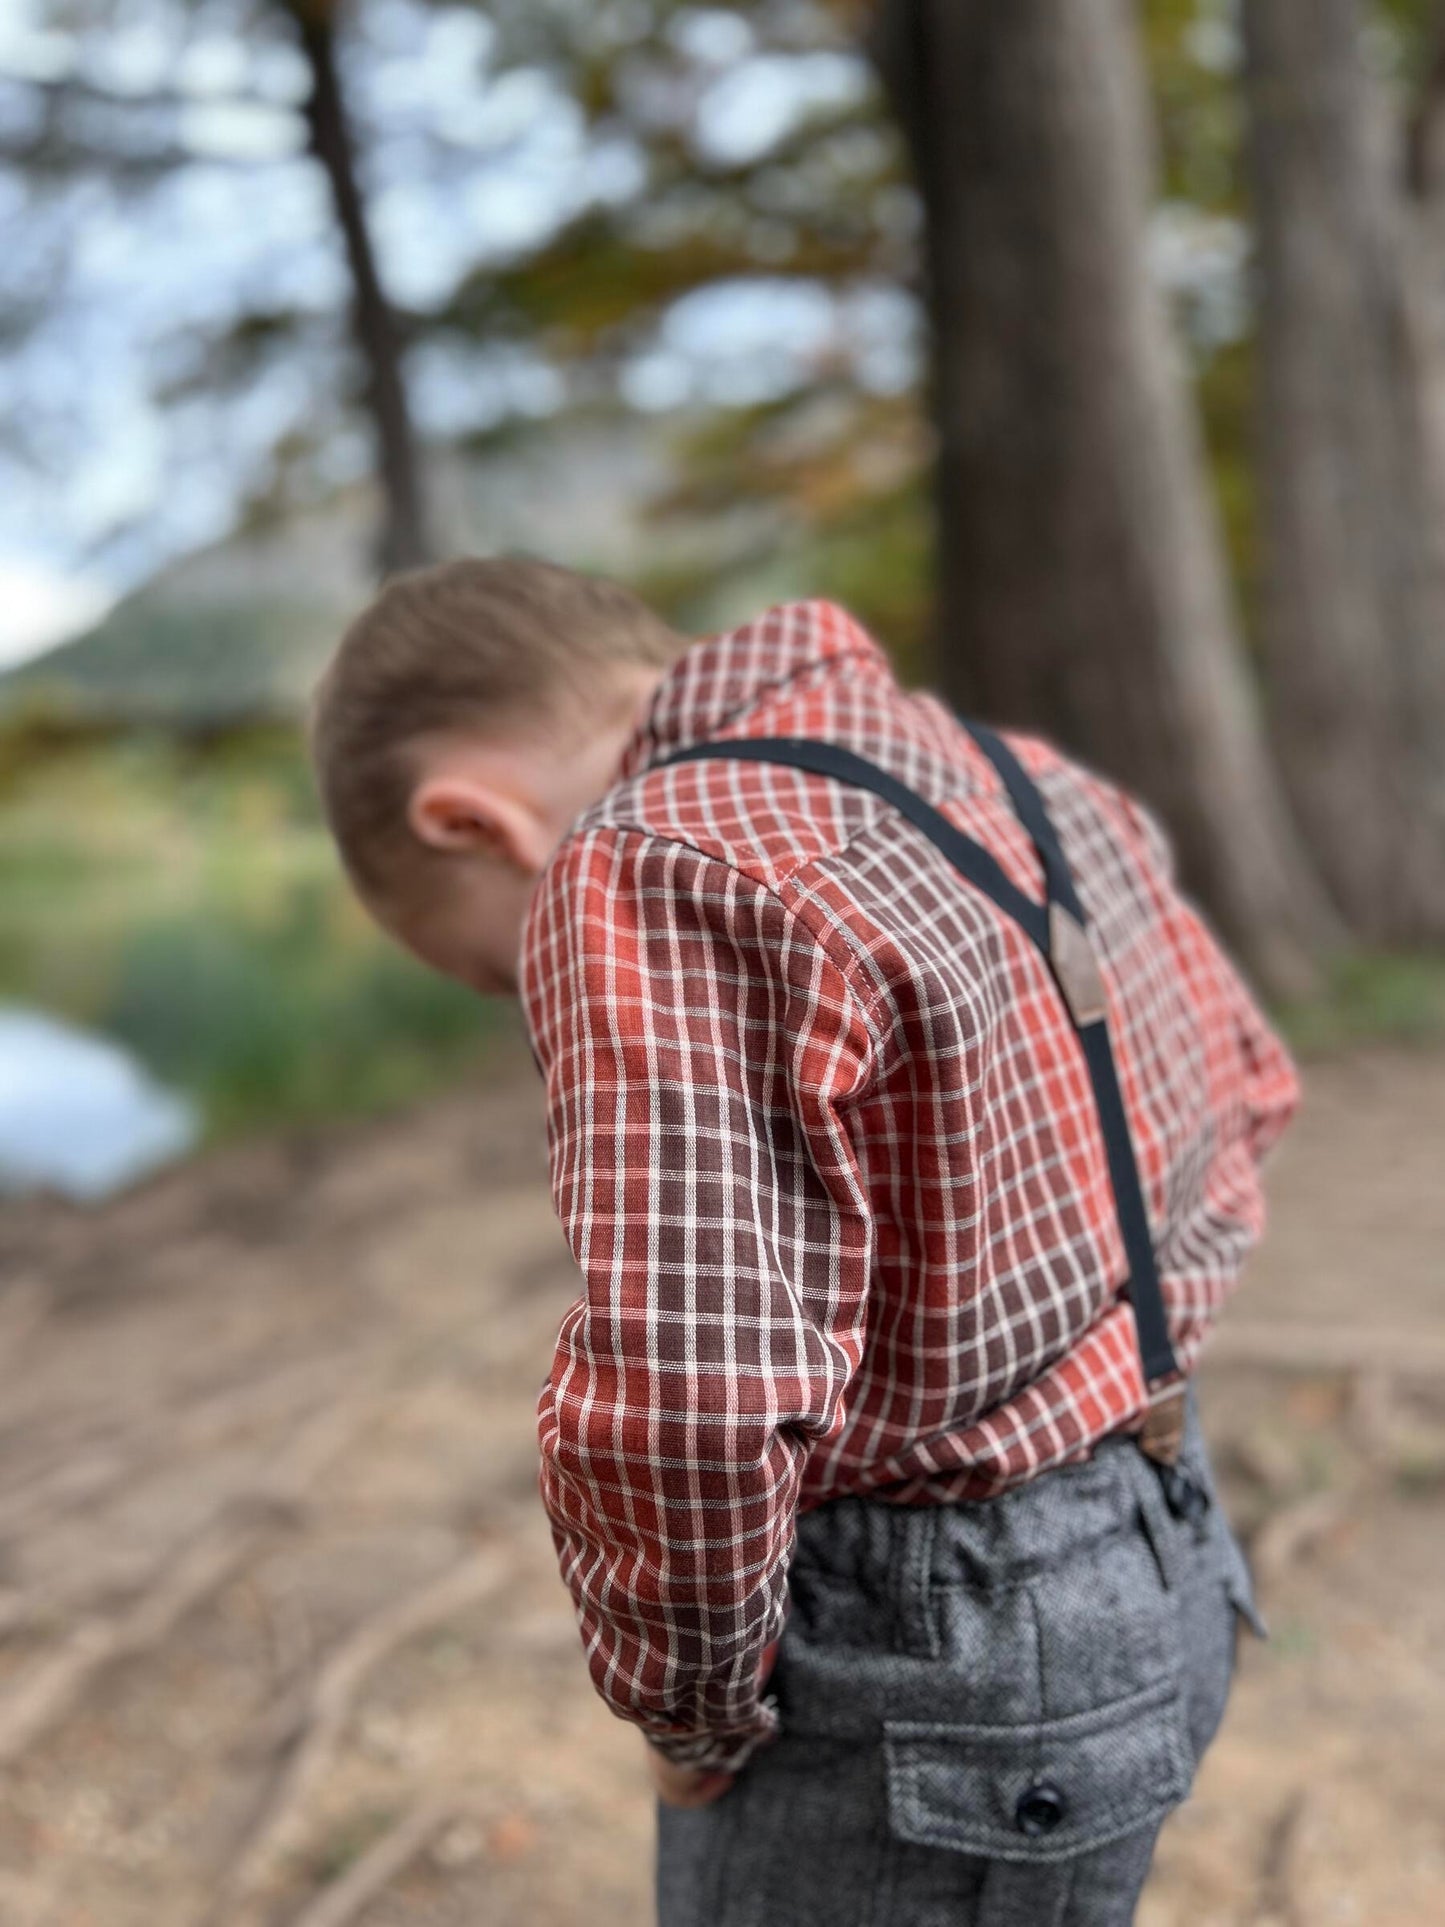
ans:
x=582 y=770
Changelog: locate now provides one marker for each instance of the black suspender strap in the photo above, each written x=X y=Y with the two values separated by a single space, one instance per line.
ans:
x=1059 y=929
x=979 y=865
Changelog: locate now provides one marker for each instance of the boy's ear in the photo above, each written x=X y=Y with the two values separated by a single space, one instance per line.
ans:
x=462 y=815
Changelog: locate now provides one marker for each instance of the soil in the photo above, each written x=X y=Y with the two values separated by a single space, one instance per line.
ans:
x=280 y=1618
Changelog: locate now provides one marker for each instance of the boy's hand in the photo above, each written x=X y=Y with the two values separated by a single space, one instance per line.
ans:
x=685 y=1786
x=690 y=1786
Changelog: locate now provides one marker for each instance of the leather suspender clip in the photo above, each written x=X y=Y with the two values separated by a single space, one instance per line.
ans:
x=1076 y=968
x=1162 y=1437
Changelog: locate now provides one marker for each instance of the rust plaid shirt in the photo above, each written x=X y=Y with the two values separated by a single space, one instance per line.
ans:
x=823 y=1145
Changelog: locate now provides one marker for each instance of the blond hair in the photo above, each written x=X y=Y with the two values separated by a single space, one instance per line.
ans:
x=472 y=643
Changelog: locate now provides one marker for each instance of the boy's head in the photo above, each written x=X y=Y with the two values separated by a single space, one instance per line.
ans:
x=468 y=715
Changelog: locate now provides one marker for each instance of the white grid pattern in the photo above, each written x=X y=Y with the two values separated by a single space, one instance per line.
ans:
x=824 y=1147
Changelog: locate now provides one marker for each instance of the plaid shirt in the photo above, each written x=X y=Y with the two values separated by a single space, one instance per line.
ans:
x=823 y=1144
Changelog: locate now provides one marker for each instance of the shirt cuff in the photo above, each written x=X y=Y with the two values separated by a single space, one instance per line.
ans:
x=717 y=1752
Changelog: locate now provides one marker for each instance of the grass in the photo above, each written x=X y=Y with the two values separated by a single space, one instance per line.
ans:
x=185 y=900
x=1371 y=998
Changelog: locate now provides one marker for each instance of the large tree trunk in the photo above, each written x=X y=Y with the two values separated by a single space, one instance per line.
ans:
x=404 y=539
x=1424 y=245
x=1424 y=260
x=1354 y=609
x=1082 y=590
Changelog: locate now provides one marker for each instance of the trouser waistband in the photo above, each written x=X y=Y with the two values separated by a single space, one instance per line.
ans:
x=877 y=1543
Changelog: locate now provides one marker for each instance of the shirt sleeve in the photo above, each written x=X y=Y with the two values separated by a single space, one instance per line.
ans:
x=1267 y=1080
x=698 y=1049
x=1252 y=1091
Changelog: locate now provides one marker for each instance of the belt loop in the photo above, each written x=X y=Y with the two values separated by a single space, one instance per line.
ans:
x=918 y=1525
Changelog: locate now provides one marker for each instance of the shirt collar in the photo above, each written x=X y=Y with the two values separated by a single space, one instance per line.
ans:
x=716 y=681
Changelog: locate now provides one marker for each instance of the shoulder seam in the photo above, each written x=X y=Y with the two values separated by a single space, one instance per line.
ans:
x=867 y=1004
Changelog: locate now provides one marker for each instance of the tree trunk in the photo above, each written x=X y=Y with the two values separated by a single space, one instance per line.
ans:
x=1349 y=407
x=403 y=540
x=1424 y=247
x=1082 y=590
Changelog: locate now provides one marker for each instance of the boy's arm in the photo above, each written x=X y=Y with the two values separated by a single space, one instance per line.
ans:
x=1253 y=1091
x=1263 y=1072
x=696 y=1045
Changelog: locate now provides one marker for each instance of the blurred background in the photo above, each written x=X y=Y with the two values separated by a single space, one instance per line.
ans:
x=1093 y=353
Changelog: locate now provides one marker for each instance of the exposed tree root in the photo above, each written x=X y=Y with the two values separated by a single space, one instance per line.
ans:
x=1279 y=1882
x=1370 y=1415
x=81 y=1480
x=332 y=1697
x=43 y=1696
x=24 y=1307
x=344 y=1900
x=1294 y=1530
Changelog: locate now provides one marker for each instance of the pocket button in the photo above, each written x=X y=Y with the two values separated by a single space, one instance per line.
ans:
x=1040 y=1808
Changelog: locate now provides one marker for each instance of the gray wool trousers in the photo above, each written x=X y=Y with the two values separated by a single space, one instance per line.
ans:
x=988 y=1709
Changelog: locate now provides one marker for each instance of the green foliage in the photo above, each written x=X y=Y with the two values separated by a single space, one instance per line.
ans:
x=1372 y=997
x=602 y=281
x=844 y=481
x=1189 y=48
x=875 y=560
x=1410 y=26
x=878 y=563
x=187 y=902
x=1226 y=405
x=261 y=1023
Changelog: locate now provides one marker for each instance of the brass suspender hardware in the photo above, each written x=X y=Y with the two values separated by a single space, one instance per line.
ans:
x=1163 y=1433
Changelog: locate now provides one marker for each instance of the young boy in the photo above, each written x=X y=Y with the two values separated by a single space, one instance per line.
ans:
x=864 y=1384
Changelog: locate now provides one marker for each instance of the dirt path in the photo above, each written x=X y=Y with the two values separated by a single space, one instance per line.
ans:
x=280 y=1622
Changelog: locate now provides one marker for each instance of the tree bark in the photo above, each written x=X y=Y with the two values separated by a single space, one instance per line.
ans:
x=1081 y=585
x=1423 y=863
x=1351 y=428
x=404 y=539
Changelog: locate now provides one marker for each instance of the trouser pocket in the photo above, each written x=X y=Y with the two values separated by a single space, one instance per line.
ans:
x=1042 y=1791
